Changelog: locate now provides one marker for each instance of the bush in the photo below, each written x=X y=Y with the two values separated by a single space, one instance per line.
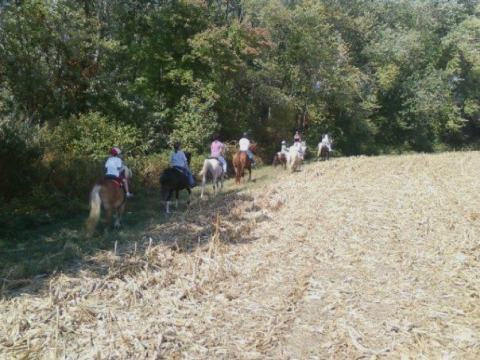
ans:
x=20 y=161
x=92 y=135
x=196 y=120
x=147 y=170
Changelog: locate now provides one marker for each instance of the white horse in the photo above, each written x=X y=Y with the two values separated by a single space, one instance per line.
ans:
x=325 y=148
x=215 y=169
x=295 y=156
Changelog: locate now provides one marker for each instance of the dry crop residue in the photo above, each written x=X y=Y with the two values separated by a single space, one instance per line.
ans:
x=356 y=257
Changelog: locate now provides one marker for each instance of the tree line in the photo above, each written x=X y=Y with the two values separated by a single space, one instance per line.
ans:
x=381 y=76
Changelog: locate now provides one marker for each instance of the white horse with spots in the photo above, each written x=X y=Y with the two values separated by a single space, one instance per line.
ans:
x=296 y=155
x=325 y=147
x=212 y=167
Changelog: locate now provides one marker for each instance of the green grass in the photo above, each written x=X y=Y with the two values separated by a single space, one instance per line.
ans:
x=56 y=244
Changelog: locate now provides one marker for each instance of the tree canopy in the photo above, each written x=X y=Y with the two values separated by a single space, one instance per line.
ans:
x=379 y=75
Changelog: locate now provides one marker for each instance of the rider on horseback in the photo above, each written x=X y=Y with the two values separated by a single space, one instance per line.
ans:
x=326 y=141
x=216 y=151
x=284 y=149
x=297 y=143
x=244 y=145
x=178 y=160
x=115 y=170
x=297 y=138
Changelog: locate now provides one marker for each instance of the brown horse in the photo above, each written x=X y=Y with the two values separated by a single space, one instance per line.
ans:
x=241 y=162
x=111 y=194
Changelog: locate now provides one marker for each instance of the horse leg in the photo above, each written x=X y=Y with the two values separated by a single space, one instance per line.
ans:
x=167 y=206
x=204 y=182
x=249 y=174
x=118 y=216
x=189 y=195
x=176 y=198
x=237 y=175
x=108 y=215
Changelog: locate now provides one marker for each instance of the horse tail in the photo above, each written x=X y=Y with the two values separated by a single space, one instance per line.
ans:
x=204 y=171
x=204 y=174
x=95 y=206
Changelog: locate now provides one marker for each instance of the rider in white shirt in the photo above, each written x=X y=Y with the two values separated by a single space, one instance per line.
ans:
x=244 y=145
x=114 y=169
x=327 y=142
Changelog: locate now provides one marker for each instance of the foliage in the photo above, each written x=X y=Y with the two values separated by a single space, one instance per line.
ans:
x=20 y=161
x=92 y=136
x=196 y=121
x=380 y=76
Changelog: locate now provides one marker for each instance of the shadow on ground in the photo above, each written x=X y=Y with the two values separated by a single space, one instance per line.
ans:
x=30 y=258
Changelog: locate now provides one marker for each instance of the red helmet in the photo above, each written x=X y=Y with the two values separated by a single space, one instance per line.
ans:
x=115 y=151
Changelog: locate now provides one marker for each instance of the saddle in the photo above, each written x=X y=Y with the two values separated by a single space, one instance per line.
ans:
x=181 y=171
x=115 y=180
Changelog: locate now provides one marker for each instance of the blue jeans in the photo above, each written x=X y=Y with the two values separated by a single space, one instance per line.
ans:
x=250 y=156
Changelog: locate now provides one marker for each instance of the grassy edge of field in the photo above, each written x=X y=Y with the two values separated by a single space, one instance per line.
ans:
x=57 y=246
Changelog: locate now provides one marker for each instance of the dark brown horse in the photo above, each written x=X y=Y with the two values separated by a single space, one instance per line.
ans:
x=173 y=179
x=241 y=162
x=111 y=194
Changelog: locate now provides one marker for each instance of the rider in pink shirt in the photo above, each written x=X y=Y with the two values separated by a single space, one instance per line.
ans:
x=217 y=148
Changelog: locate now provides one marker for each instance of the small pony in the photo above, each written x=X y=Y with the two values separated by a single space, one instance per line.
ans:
x=213 y=167
x=241 y=162
x=171 y=180
x=324 y=150
x=296 y=155
x=280 y=158
x=111 y=194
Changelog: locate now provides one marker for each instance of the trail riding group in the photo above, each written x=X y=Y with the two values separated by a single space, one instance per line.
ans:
x=113 y=190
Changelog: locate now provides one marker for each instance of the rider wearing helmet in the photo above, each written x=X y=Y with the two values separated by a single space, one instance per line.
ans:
x=284 y=149
x=297 y=137
x=244 y=145
x=178 y=160
x=115 y=170
x=217 y=150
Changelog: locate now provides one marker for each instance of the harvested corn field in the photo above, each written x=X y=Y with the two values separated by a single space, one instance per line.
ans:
x=352 y=258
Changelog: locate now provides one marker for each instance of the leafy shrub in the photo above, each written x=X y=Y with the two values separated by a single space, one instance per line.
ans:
x=196 y=121
x=147 y=170
x=20 y=162
x=92 y=135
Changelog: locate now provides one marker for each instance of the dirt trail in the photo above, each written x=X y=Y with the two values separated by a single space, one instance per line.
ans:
x=359 y=257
